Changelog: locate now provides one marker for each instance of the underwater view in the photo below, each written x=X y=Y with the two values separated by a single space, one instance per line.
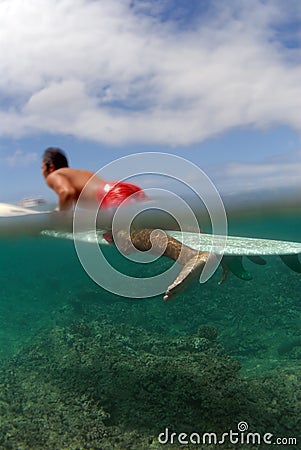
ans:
x=82 y=368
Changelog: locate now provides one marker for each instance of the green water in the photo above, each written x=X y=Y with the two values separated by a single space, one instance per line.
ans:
x=83 y=368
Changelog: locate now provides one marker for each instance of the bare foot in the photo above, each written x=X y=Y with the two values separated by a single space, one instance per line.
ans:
x=191 y=270
x=225 y=274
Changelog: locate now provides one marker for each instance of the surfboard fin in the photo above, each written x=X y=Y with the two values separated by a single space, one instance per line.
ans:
x=234 y=264
x=292 y=261
x=257 y=260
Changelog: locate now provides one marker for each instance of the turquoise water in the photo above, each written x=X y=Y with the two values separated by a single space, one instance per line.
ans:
x=84 y=368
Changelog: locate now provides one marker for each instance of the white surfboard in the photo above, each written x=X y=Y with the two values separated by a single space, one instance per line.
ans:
x=235 y=245
x=15 y=220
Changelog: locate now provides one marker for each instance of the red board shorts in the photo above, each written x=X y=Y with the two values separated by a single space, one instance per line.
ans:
x=113 y=194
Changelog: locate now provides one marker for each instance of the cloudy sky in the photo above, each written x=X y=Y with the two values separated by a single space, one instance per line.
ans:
x=216 y=82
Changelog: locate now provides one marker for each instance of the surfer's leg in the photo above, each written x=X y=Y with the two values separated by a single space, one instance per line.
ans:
x=158 y=242
x=190 y=271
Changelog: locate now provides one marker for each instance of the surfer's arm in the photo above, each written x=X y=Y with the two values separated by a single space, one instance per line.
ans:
x=64 y=189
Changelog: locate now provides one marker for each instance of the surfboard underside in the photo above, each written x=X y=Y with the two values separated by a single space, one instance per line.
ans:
x=15 y=220
x=204 y=242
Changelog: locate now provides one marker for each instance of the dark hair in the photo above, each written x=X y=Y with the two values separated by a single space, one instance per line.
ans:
x=55 y=156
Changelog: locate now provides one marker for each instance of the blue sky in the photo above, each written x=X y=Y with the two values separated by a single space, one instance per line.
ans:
x=215 y=82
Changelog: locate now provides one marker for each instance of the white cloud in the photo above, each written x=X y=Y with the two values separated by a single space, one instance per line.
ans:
x=281 y=172
x=20 y=158
x=108 y=72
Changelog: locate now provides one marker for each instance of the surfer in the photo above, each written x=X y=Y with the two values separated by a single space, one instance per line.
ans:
x=69 y=184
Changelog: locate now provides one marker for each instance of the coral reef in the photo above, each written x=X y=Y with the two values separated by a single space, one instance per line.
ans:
x=99 y=385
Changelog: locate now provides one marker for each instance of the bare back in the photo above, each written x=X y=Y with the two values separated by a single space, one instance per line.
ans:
x=75 y=180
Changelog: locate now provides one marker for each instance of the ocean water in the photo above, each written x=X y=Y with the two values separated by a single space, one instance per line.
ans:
x=84 y=368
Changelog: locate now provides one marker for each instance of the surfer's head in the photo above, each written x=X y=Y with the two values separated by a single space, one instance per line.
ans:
x=53 y=158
